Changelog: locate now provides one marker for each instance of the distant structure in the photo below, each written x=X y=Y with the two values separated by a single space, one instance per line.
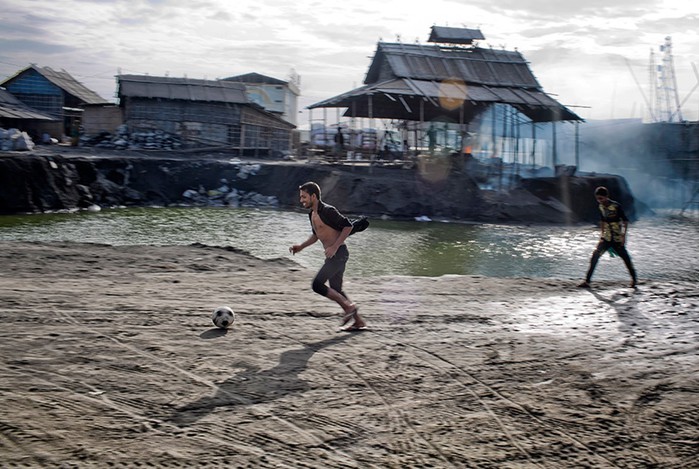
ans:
x=447 y=80
x=274 y=95
x=436 y=91
x=446 y=35
x=202 y=113
x=664 y=98
x=53 y=93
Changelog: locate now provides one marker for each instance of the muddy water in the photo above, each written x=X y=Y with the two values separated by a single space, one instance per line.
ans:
x=663 y=247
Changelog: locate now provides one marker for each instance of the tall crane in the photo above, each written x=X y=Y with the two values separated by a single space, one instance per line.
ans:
x=667 y=99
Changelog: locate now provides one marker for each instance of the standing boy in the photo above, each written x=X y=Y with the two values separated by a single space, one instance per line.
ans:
x=332 y=229
x=614 y=225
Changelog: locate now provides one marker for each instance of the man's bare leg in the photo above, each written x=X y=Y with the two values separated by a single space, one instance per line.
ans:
x=344 y=303
x=348 y=307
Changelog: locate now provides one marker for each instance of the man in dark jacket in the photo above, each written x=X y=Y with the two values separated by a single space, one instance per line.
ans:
x=332 y=229
x=614 y=225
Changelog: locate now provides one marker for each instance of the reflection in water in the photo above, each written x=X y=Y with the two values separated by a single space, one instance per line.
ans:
x=661 y=247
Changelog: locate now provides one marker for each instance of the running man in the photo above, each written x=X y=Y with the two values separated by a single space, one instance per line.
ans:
x=332 y=229
x=614 y=225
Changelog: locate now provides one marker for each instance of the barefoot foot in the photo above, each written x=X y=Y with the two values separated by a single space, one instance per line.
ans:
x=347 y=316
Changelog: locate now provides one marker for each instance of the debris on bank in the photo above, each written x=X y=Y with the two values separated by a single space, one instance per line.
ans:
x=51 y=182
x=15 y=140
x=228 y=196
x=125 y=140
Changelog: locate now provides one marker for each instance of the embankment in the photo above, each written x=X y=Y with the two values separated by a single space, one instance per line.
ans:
x=52 y=180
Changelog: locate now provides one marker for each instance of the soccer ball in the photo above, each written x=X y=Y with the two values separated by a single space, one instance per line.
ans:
x=223 y=317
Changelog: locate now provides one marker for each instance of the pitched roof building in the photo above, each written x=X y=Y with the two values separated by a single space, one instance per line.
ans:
x=55 y=94
x=453 y=79
x=50 y=91
x=201 y=113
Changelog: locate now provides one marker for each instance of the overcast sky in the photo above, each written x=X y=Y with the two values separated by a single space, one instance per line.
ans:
x=582 y=52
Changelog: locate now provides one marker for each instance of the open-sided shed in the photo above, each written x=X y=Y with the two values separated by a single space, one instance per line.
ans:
x=452 y=80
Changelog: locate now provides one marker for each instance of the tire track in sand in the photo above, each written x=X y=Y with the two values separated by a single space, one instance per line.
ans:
x=399 y=423
x=237 y=398
x=83 y=405
x=475 y=380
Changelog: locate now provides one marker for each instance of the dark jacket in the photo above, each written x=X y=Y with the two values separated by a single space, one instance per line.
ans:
x=337 y=221
x=330 y=216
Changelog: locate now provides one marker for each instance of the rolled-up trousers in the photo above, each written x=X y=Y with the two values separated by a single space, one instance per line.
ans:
x=333 y=271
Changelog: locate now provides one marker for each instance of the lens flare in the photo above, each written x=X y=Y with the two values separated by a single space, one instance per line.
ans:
x=433 y=168
x=452 y=93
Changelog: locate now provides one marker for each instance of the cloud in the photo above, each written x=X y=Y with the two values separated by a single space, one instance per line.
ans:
x=14 y=29
x=545 y=10
x=28 y=46
x=577 y=50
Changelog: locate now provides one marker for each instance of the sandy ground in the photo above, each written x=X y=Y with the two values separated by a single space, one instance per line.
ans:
x=109 y=359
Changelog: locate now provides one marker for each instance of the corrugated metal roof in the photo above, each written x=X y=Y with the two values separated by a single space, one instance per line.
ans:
x=534 y=103
x=454 y=35
x=13 y=108
x=256 y=78
x=449 y=90
x=70 y=85
x=188 y=89
x=431 y=62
